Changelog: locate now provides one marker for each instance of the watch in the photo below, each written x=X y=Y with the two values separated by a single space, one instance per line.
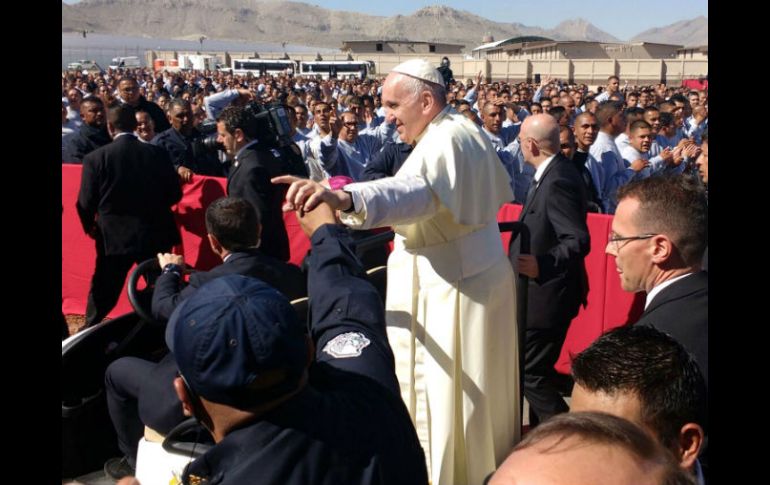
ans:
x=172 y=268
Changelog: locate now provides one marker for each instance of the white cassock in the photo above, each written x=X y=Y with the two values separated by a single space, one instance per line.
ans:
x=451 y=300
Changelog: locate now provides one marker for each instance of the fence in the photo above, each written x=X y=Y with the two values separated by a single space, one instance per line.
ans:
x=102 y=55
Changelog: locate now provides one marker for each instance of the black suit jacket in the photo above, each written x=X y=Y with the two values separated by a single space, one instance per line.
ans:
x=127 y=190
x=285 y=277
x=556 y=218
x=250 y=179
x=681 y=310
x=387 y=161
x=86 y=140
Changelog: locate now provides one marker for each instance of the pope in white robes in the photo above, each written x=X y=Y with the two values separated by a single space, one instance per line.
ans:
x=451 y=300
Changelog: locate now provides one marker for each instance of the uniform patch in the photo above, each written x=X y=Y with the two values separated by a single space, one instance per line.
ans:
x=346 y=345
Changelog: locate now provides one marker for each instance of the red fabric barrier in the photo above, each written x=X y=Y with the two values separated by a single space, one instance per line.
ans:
x=79 y=254
x=608 y=305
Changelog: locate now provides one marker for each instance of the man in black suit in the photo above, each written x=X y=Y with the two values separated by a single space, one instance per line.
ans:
x=92 y=134
x=126 y=193
x=139 y=391
x=254 y=164
x=659 y=234
x=555 y=214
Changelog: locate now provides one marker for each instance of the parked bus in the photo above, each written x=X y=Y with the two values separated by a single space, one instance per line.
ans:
x=261 y=67
x=336 y=69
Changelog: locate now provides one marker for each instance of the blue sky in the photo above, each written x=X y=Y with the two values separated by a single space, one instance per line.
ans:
x=621 y=18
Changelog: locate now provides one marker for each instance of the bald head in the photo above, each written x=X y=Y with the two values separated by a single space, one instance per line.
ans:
x=539 y=138
x=544 y=129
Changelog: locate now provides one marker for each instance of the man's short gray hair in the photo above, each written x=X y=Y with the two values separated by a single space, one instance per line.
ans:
x=415 y=87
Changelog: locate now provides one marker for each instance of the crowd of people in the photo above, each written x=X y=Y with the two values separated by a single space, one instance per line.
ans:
x=427 y=387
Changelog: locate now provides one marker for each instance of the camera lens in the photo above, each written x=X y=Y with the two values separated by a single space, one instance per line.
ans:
x=210 y=143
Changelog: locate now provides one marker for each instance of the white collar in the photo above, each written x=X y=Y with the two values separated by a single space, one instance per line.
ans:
x=539 y=172
x=660 y=288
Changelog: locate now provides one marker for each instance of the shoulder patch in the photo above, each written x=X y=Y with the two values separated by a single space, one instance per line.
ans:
x=346 y=345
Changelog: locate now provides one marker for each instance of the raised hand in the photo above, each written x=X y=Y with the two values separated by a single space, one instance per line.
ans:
x=304 y=195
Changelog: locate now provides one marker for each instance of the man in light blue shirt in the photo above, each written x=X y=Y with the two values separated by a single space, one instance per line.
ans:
x=354 y=148
x=613 y=87
x=611 y=171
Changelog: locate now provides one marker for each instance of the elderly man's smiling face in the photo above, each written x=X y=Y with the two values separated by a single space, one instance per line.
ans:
x=403 y=107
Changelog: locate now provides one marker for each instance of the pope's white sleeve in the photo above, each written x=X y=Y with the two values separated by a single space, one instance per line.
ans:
x=390 y=201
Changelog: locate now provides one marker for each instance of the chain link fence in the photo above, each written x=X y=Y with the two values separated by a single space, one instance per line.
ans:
x=101 y=55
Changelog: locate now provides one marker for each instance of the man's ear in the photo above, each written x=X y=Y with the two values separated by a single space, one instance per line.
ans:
x=690 y=442
x=238 y=135
x=427 y=101
x=181 y=393
x=662 y=249
x=216 y=246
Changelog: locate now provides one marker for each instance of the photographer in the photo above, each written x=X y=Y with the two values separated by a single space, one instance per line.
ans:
x=249 y=138
x=191 y=151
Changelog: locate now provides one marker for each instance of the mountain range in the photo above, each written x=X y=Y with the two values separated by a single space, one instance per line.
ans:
x=312 y=25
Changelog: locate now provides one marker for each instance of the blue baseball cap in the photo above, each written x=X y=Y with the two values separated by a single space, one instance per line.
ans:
x=232 y=331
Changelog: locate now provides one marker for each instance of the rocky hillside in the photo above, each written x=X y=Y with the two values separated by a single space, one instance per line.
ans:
x=693 y=32
x=298 y=23
x=312 y=25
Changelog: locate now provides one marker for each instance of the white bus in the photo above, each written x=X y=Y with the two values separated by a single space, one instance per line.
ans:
x=261 y=67
x=336 y=69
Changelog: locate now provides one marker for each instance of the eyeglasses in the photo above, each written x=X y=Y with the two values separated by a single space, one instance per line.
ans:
x=351 y=124
x=615 y=240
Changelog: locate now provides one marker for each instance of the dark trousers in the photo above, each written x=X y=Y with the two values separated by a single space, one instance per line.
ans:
x=123 y=381
x=541 y=382
x=107 y=282
x=139 y=393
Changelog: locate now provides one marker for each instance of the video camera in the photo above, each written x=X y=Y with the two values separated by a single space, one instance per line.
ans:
x=268 y=124
x=271 y=124
x=208 y=142
x=273 y=130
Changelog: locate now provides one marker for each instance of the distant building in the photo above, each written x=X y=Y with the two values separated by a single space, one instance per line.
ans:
x=496 y=50
x=693 y=52
x=541 y=48
x=399 y=47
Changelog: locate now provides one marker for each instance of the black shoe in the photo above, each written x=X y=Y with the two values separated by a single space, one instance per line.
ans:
x=117 y=468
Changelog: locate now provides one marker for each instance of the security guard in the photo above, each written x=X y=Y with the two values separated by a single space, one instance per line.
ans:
x=284 y=407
